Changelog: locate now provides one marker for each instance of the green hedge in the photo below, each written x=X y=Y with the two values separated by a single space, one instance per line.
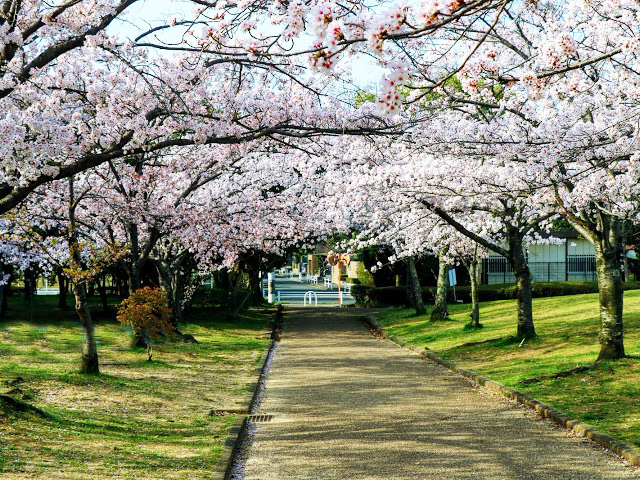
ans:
x=393 y=296
x=366 y=296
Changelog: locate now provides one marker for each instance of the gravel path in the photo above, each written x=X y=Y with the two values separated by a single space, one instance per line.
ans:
x=350 y=406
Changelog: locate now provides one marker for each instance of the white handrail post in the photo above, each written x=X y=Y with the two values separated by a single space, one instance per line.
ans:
x=278 y=296
x=271 y=280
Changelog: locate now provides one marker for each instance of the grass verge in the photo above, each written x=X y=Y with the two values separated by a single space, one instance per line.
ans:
x=606 y=396
x=138 y=419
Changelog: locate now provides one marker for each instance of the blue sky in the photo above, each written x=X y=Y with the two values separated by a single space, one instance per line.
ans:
x=145 y=13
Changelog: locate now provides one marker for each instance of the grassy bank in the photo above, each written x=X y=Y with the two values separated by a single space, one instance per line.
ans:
x=608 y=396
x=138 y=419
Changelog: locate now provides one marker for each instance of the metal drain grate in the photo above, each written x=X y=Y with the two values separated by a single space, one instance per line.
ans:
x=260 y=418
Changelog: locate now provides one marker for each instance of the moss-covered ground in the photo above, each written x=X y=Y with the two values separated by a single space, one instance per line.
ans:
x=607 y=396
x=137 y=419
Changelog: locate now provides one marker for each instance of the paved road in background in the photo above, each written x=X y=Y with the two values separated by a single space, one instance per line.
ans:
x=349 y=406
x=293 y=290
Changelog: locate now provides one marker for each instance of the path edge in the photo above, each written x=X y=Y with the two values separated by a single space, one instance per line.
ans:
x=629 y=453
x=230 y=446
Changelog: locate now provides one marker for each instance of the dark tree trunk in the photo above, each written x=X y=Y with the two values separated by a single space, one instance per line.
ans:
x=234 y=282
x=418 y=302
x=171 y=281
x=611 y=335
x=133 y=280
x=440 y=311
x=63 y=286
x=241 y=304
x=408 y=289
x=102 y=288
x=2 y=295
x=123 y=288
x=522 y=275
x=174 y=273
x=6 y=291
x=29 y=283
x=133 y=283
x=258 y=297
x=625 y=261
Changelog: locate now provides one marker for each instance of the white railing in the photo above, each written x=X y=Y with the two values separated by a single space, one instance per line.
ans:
x=328 y=283
x=346 y=288
x=309 y=295
x=48 y=291
x=313 y=298
x=312 y=279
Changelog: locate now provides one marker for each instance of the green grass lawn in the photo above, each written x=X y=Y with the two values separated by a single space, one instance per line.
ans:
x=607 y=397
x=138 y=419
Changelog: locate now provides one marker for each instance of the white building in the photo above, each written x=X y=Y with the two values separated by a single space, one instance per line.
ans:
x=570 y=261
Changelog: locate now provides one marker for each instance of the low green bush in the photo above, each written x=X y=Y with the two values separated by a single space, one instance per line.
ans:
x=208 y=297
x=394 y=296
x=366 y=296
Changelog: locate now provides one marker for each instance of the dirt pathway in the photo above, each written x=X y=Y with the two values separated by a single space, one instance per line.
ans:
x=349 y=406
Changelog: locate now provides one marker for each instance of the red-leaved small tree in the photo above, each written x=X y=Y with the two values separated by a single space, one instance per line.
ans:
x=147 y=312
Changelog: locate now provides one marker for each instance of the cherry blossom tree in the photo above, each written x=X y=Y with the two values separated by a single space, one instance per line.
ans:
x=73 y=97
x=483 y=199
x=554 y=96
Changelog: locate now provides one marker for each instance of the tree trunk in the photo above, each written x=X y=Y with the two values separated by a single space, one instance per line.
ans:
x=6 y=290
x=611 y=335
x=418 y=302
x=133 y=279
x=440 y=311
x=29 y=283
x=169 y=274
x=62 y=296
x=625 y=261
x=408 y=289
x=2 y=297
x=89 y=349
x=177 y=294
x=102 y=288
x=174 y=272
x=240 y=305
x=604 y=232
x=472 y=267
x=258 y=297
x=234 y=282
x=522 y=274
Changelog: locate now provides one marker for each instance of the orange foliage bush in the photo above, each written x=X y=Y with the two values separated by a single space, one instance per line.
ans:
x=147 y=312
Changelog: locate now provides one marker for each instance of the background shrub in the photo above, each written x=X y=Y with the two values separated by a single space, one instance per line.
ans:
x=367 y=296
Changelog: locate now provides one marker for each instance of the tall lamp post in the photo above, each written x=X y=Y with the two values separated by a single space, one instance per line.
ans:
x=338 y=260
